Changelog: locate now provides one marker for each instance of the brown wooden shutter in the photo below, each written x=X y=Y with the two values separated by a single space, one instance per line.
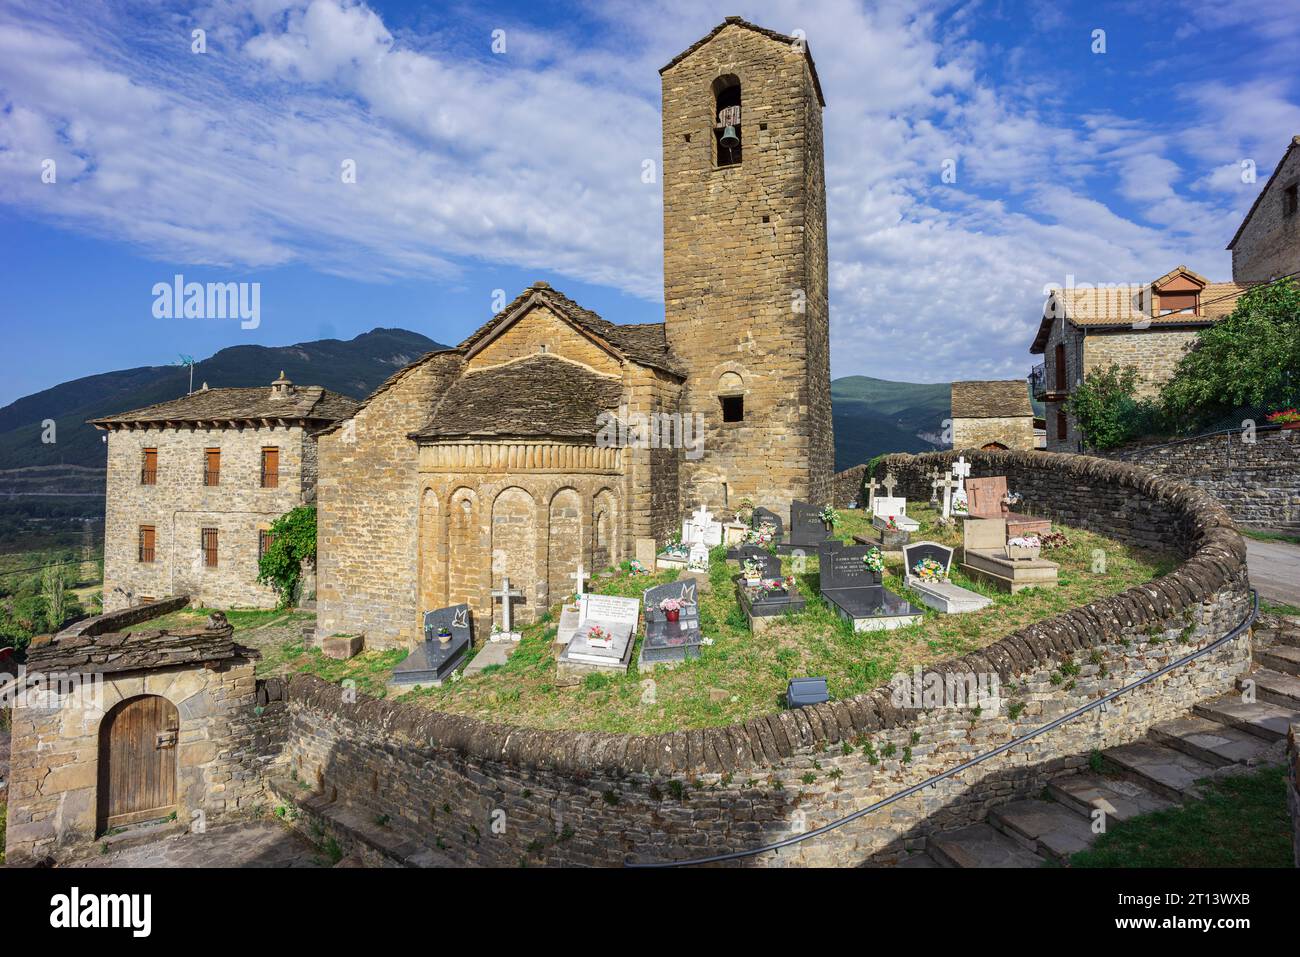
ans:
x=263 y=542
x=149 y=468
x=210 y=547
x=1060 y=367
x=270 y=468
x=212 y=467
x=146 y=544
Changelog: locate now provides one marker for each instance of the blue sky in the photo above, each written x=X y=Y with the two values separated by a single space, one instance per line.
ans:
x=481 y=170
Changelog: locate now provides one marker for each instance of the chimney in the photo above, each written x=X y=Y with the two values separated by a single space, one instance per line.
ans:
x=281 y=388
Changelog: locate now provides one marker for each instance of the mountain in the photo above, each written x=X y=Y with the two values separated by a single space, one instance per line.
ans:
x=355 y=368
x=872 y=416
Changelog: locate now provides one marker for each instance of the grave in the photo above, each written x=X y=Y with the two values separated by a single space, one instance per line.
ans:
x=571 y=613
x=769 y=595
x=507 y=595
x=986 y=498
x=586 y=653
x=448 y=634
x=807 y=530
x=889 y=506
x=939 y=593
x=697 y=563
x=960 y=472
x=675 y=556
x=701 y=527
x=669 y=642
x=984 y=557
x=855 y=592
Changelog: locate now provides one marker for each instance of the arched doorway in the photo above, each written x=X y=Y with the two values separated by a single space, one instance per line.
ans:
x=137 y=762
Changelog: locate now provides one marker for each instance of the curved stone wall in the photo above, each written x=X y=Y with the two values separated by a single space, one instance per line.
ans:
x=469 y=791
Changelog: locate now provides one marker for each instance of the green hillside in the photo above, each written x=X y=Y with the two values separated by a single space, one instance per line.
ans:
x=355 y=368
x=872 y=416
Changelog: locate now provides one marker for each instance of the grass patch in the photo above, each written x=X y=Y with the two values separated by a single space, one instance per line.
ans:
x=1241 y=822
x=1265 y=536
x=1269 y=608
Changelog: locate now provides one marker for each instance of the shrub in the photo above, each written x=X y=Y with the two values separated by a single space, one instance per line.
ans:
x=1108 y=410
x=293 y=541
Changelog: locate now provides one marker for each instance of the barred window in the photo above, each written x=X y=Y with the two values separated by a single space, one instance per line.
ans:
x=212 y=466
x=270 y=468
x=263 y=542
x=149 y=467
x=209 y=543
x=146 y=545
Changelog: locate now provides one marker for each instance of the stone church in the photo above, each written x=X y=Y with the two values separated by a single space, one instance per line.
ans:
x=493 y=460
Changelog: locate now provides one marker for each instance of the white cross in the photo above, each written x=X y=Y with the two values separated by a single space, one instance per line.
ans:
x=580 y=578
x=505 y=593
x=947 y=483
x=871 y=493
x=961 y=472
x=935 y=475
x=889 y=484
x=702 y=516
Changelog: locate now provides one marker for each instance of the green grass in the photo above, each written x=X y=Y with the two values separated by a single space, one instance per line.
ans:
x=1269 y=608
x=1241 y=822
x=742 y=676
x=1263 y=536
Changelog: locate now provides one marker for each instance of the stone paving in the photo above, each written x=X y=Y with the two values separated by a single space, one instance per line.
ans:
x=1275 y=570
x=255 y=844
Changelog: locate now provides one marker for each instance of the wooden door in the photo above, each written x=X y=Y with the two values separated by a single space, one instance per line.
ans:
x=137 y=762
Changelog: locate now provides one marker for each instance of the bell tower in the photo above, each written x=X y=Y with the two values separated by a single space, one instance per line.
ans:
x=745 y=285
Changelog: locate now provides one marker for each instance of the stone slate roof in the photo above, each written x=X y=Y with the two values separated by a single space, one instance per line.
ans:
x=1295 y=142
x=990 y=398
x=1094 y=308
x=771 y=34
x=310 y=402
x=538 y=396
x=118 y=652
x=644 y=343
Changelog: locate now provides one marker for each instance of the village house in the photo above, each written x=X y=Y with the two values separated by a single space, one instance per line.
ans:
x=992 y=414
x=194 y=484
x=1267 y=243
x=492 y=461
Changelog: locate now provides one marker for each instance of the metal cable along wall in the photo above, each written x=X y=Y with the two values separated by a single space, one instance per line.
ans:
x=1001 y=749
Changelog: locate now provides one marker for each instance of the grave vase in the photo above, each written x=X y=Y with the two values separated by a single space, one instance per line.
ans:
x=674 y=614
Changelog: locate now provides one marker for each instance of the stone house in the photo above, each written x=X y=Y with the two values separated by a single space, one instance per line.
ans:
x=114 y=729
x=1145 y=325
x=992 y=415
x=1267 y=243
x=552 y=437
x=194 y=484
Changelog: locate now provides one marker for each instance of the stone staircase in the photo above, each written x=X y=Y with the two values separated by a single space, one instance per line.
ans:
x=1148 y=775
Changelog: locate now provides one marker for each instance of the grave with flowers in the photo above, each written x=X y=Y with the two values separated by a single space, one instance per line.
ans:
x=851 y=585
x=926 y=568
x=764 y=593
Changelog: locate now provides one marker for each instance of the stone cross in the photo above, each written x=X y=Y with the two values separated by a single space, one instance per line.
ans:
x=579 y=577
x=935 y=475
x=961 y=472
x=871 y=487
x=889 y=484
x=702 y=516
x=948 y=483
x=506 y=593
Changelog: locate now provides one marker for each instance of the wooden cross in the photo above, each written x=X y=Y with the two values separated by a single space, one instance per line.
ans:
x=871 y=487
x=889 y=484
x=580 y=578
x=505 y=593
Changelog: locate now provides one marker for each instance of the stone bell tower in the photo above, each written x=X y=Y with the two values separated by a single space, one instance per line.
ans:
x=745 y=287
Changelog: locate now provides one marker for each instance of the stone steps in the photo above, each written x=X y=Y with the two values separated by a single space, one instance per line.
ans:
x=1209 y=741
x=980 y=845
x=1281 y=658
x=1261 y=718
x=1046 y=828
x=1119 y=798
x=1169 y=773
x=1274 y=687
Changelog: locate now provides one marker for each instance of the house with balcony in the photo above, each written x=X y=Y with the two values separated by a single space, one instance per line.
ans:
x=195 y=483
x=1145 y=325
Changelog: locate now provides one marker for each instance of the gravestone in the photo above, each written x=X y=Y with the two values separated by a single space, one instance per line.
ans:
x=856 y=594
x=772 y=596
x=507 y=595
x=941 y=595
x=763 y=516
x=770 y=564
x=669 y=642
x=807 y=530
x=645 y=552
x=434 y=659
x=674 y=556
x=701 y=527
x=984 y=557
x=698 y=562
x=893 y=506
x=611 y=614
x=986 y=498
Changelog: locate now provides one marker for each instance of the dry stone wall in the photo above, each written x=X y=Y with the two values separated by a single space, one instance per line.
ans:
x=441 y=780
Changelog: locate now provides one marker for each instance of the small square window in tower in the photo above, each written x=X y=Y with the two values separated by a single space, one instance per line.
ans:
x=726 y=124
x=733 y=408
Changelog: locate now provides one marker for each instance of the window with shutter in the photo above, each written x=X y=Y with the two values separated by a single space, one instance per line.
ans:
x=146 y=549
x=212 y=467
x=149 y=467
x=270 y=468
x=209 y=542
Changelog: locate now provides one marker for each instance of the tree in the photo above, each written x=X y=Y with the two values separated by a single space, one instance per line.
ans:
x=293 y=541
x=1251 y=358
x=54 y=592
x=1107 y=408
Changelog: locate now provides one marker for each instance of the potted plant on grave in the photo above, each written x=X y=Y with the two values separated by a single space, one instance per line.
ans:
x=929 y=570
x=598 y=637
x=753 y=572
x=1287 y=418
x=672 y=608
x=830 y=518
x=1023 y=547
x=444 y=634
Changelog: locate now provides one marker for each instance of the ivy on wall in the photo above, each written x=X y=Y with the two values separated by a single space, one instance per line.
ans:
x=293 y=541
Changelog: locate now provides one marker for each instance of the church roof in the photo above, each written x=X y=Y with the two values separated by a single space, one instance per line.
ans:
x=311 y=402
x=538 y=396
x=643 y=343
x=745 y=24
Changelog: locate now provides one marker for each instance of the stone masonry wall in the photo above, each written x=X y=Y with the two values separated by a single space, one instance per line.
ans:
x=1153 y=352
x=368 y=509
x=598 y=798
x=1269 y=246
x=745 y=289
x=179 y=506
x=55 y=756
x=1013 y=431
x=1258 y=483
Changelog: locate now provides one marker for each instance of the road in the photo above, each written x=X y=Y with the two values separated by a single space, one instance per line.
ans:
x=1275 y=570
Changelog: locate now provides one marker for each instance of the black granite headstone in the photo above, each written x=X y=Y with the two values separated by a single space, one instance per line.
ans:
x=807 y=530
x=770 y=563
x=842 y=566
x=763 y=516
x=433 y=659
